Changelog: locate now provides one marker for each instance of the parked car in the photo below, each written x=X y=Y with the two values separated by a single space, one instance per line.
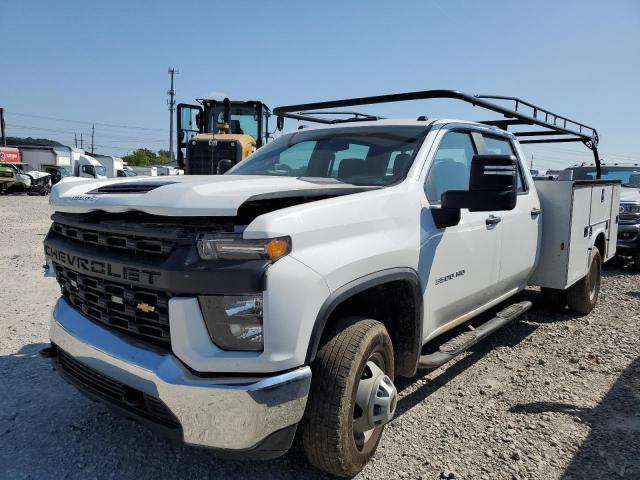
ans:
x=28 y=180
x=629 y=220
x=57 y=172
x=7 y=178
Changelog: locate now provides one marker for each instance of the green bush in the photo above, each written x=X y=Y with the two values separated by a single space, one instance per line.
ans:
x=143 y=157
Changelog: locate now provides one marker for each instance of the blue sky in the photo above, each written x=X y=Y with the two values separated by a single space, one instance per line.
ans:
x=106 y=62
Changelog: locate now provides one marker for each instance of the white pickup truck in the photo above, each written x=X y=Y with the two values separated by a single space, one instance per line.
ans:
x=231 y=311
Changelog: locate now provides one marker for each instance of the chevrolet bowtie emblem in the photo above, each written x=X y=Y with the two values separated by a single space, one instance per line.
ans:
x=145 y=307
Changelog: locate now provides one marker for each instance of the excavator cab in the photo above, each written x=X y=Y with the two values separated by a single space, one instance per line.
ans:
x=216 y=135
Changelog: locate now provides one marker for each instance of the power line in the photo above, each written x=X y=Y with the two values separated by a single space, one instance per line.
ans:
x=110 y=125
x=110 y=136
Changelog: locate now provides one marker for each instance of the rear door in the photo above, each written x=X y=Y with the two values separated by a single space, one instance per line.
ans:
x=189 y=119
x=519 y=227
x=458 y=264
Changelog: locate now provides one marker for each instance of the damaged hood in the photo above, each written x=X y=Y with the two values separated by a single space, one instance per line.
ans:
x=191 y=195
x=35 y=174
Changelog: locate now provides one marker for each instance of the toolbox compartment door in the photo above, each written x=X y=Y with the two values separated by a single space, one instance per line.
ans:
x=578 y=242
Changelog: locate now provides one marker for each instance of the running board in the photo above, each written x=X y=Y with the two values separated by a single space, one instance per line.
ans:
x=464 y=341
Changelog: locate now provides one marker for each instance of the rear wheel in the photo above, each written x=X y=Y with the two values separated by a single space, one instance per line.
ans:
x=582 y=296
x=352 y=397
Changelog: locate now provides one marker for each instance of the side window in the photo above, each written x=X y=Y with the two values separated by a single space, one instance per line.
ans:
x=86 y=169
x=451 y=166
x=502 y=146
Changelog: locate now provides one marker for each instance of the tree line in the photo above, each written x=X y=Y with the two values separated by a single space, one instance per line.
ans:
x=143 y=157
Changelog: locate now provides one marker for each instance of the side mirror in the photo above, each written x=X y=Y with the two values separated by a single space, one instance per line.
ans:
x=223 y=165
x=280 y=123
x=492 y=185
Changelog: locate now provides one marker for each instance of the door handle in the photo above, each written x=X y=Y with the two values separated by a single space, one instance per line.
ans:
x=535 y=212
x=492 y=220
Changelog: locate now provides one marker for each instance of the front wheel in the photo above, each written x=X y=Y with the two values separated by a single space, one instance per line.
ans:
x=352 y=397
x=582 y=296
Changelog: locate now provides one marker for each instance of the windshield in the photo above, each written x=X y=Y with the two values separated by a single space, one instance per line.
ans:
x=378 y=155
x=63 y=172
x=630 y=177
x=100 y=170
x=24 y=167
x=244 y=119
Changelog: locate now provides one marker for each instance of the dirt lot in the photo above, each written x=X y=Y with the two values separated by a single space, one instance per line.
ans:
x=548 y=397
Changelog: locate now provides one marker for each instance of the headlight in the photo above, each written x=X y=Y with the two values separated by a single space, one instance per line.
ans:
x=629 y=208
x=214 y=247
x=234 y=322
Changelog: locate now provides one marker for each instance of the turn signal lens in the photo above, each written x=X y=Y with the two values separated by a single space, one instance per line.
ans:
x=277 y=248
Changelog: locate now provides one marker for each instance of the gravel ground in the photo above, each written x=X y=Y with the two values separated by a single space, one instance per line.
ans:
x=550 y=396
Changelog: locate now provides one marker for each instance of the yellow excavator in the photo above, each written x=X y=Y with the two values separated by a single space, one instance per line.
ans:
x=215 y=135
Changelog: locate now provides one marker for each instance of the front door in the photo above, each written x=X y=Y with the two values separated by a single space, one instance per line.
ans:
x=458 y=265
x=188 y=125
x=519 y=227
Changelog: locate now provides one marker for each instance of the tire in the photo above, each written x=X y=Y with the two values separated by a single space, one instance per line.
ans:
x=636 y=262
x=553 y=299
x=582 y=296
x=341 y=365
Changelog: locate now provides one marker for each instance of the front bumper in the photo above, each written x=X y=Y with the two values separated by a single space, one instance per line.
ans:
x=240 y=416
x=628 y=239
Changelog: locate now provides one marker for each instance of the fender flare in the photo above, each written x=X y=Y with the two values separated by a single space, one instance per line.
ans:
x=410 y=353
x=597 y=231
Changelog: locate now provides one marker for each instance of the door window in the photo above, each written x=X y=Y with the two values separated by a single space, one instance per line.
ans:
x=502 y=146
x=451 y=165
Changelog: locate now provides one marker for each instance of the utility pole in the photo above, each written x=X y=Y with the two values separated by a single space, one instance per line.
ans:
x=3 y=137
x=81 y=147
x=531 y=162
x=172 y=106
x=75 y=139
x=92 y=131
